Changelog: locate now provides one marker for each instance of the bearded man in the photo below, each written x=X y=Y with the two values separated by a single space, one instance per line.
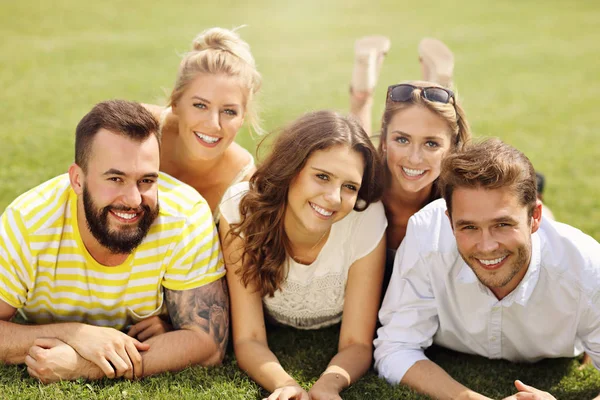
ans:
x=116 y=267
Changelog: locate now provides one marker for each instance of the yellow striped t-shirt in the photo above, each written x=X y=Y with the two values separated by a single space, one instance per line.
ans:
x=46 y=271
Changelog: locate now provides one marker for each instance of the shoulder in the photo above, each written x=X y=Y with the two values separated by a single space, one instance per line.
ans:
x=155 y=110
x=373 y=216
x=230 y=203
x=38 y=204
x=238 y=159
x=570 y=253
x=431 y=228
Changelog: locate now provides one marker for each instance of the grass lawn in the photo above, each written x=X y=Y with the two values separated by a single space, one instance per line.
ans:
x=526 y=72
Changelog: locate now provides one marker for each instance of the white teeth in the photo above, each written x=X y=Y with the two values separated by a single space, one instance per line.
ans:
x=125 y=216
x=206 y=138
x=413 y=172
x=492 y=262
x=320 y=210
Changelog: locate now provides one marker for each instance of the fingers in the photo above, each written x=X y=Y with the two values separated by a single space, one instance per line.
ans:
x=288 y=393
x=33 y=368
x=141 y=346
x=151 y=331
x=521 y=387
x=136 y=361
x=125 y=367
x=140 y=326
x=47 y=343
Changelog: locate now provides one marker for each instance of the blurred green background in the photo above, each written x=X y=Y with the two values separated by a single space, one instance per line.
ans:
x=526 y=71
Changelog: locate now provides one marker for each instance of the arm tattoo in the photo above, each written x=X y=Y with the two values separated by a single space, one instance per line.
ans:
x=206 y=307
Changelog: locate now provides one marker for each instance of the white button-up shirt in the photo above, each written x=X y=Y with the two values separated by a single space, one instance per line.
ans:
x=434 y=297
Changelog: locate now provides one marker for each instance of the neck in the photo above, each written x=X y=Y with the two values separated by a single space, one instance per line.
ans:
x=98 y=252
x=302 y=241
x=502 y=292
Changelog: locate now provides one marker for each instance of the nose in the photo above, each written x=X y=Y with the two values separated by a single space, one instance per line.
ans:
x=132 y=196
x=333 y=196
x=487 y=243
x=214 y=120
x=416 y=156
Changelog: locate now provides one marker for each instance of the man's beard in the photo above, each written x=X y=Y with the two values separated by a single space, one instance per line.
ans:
x=501 y=278
x=122 y=241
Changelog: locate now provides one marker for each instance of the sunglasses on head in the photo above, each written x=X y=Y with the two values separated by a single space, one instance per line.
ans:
x=403 y=92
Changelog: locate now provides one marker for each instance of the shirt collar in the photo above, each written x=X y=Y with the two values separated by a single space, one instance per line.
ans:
x=523 y=292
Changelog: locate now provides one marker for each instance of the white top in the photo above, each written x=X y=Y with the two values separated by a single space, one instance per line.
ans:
x=434 y=297
x=312 y=296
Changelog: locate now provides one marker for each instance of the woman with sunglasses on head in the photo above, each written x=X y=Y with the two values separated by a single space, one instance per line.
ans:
x=213 y=95
x=304 y=246
x=421 y=123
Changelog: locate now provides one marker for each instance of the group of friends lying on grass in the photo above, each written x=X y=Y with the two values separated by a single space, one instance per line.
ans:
x=164 y=230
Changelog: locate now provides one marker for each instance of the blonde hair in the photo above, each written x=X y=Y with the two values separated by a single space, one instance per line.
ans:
x=221 y=51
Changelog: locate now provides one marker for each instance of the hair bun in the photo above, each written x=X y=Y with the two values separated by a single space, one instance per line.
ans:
x=223 y=40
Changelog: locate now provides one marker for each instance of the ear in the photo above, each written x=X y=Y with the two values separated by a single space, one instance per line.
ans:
x=174 y=109
x=76 y=177
x=450 y=219
x=536 y=218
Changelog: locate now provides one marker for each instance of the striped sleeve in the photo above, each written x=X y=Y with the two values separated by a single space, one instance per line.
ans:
x=15 y=259
x=196 y=259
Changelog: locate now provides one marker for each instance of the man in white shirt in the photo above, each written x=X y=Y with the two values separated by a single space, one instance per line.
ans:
x=487 y=276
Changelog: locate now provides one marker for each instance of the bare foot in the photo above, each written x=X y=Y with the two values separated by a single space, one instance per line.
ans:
x=437 y=62
x=369 y=53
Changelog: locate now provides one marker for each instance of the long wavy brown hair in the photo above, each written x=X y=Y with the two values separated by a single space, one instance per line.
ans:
x=262 y=209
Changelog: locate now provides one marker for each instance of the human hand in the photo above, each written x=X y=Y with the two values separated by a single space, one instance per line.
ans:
x=52 y=360
x=149 y=327
x=114 y=352
x=321 y=392
x=291 y=392
x=526 y=392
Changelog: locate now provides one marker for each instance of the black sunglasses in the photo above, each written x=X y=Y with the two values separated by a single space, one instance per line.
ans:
x=403 y=92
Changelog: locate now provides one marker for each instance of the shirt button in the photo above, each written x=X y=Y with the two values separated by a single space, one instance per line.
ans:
x=493 y=338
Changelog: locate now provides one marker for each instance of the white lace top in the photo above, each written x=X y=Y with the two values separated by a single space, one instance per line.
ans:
x=312 y=296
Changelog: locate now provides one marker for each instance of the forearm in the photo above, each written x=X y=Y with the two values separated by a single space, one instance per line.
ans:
x=348 y=366
x=259 y=362
x=428 y=378
x=176 y=350
x=17 y=339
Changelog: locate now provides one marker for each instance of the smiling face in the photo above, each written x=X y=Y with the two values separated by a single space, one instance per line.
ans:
x=118 y=193
x=324 y=191
x=416 y=141
x=210 y=111
x=493 y=234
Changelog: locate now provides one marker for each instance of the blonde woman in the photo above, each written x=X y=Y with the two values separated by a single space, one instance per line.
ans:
x=214 y=94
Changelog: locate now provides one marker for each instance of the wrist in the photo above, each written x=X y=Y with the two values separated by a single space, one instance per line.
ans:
x=332 y=382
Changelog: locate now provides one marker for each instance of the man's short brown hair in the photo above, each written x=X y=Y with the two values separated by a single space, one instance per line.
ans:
x=120 y=117
x=489 y=164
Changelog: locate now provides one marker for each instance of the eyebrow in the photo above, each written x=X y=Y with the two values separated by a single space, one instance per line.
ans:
x=506 y=218
x=426 y=137
x=332 y=174
x=208 y=101
x=114 y=171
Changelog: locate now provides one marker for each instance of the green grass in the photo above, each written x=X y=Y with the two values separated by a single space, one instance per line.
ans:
x=526 y=72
